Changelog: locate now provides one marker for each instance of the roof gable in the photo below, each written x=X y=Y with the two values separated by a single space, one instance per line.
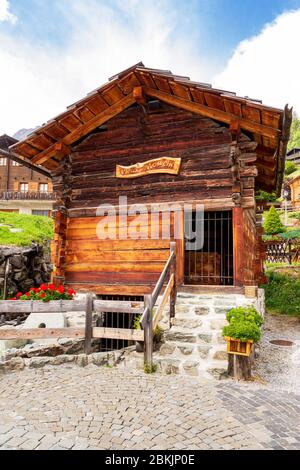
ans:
x=269 y=127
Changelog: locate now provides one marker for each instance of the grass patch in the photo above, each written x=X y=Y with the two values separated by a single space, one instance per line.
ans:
x=35 y=229
x=282 y=294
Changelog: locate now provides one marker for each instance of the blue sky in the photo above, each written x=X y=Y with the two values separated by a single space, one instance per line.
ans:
x=56 y=51
x=221 y=23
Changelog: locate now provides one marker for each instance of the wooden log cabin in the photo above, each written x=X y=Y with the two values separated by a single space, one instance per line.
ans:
x=122 y=140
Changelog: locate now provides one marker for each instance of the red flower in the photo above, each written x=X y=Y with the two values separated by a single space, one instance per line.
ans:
x=15 y=298
x=42 y=296
x=61 y=289
x=44 y=287
x=27 y=294
x=51 y=287
x=71 y=292
x=32 y=289
x=19 y=294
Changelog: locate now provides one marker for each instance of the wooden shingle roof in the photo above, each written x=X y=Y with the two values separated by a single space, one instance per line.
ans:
x=268 y=126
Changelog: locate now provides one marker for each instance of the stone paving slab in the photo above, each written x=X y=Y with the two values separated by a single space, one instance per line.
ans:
x=68 y=408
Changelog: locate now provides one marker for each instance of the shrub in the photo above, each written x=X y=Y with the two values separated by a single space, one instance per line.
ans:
x=264 y=196
x=46 y=293
x=290 y=167
x=282 y=294
x=245 y=314
x=244 y=324
x=273 y=224
x=243 y=330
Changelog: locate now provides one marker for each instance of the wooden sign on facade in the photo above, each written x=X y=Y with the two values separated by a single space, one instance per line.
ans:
x=166 y=165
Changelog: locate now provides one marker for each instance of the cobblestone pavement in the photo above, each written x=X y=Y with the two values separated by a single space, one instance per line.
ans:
x=69 y=407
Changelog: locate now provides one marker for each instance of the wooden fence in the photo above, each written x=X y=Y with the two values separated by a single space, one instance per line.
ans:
x=285 y=251
x=149 y=316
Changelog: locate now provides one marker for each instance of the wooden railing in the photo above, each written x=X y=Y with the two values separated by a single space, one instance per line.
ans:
x=88 y=333
x=149 y=321
x=27 y=195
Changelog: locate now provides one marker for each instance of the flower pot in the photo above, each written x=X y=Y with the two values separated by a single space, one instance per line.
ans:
x=236 y=346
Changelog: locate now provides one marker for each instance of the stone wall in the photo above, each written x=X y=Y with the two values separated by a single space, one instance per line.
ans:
x=27 y=267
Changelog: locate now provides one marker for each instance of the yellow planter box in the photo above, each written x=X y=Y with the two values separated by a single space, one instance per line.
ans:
x=236 y=346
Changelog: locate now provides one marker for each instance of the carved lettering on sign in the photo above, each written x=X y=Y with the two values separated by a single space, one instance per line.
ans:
x=166 y=165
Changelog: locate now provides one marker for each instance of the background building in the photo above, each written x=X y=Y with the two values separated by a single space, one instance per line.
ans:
x=23 y=190
x=293 y=156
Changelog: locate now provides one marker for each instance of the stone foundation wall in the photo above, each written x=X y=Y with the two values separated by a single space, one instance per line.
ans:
x=28 y=267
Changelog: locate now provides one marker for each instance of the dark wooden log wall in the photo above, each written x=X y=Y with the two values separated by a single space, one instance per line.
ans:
x=137 y=135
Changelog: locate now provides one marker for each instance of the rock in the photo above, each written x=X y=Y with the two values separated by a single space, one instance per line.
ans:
x=17 y=261
x=170 y=366
x=172 y=335
x=182 y=309
x=186 y=350
x=13 y=364
x=203 y=351
x=221 y=355
x=76 y=347
x=205 y=337
x=65 y=359
x=222 y=311
x=191 y=367
x=82 y=360
x=189 y=323
x=51 y=350
x=167 y=349
x=37 y=362
x=202 y=310
x=218 y=373
x=100 y=359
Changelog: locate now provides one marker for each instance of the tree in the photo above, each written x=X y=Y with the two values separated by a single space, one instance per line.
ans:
x=294 y=141
x=290 y=167
x=273 y=224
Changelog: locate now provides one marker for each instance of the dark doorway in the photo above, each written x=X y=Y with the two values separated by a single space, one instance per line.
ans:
x=213 y=263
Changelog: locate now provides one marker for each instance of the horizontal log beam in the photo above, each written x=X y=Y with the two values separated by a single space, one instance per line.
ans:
x=41 y=333
x=212 y=113
x=86 y=128
x=115 y=333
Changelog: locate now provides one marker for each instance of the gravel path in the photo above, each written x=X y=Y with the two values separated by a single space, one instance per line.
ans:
x=277 y=365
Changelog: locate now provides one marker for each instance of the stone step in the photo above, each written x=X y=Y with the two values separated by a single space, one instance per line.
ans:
x=184 y=349
x=192 y=367
x=187 y=322
x=187 y=336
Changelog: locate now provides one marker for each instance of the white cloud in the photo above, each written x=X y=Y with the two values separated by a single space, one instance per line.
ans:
x=266 y=66
x=5 y=14
x=41 y=80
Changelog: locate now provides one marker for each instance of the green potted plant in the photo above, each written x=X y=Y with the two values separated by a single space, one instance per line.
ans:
x=243 y=330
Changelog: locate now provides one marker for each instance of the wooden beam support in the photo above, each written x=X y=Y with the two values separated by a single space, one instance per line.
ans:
x=235 y=129
x=139 y=96
x=238 y=246
x=213 y=113
x=24 y=162
x=86 y=128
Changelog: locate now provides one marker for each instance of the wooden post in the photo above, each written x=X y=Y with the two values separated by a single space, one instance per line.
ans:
x=173 y=294
x=148 y=351
x=6 y=271
x=88 y=324
x=238 y=246
x=239 y=367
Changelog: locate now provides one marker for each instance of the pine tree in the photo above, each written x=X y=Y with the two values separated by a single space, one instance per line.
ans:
x=273 y=224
